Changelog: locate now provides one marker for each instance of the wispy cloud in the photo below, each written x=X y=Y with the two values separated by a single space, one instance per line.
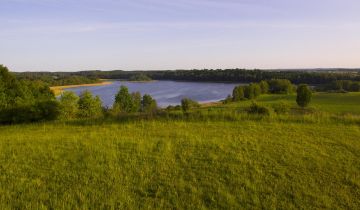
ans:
x=27 y=26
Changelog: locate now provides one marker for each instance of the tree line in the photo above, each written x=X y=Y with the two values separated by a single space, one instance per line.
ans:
x=86 y=105
x=54 y=79
x=254 y=90
x=214 y=75
x=341 y=86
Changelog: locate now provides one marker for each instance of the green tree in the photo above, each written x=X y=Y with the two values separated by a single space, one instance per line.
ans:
x=280 y=86
x=69 y=106
x=89 y=106
x=256 y=89
x=249 y=92
x=123 y=100
x=136 y=99
x=304 y=95
x=185 y=105
x=25 y=101
x=238 y=93
x=264 y=87
x=3 y=101
x=148 y=104
x=10 y=90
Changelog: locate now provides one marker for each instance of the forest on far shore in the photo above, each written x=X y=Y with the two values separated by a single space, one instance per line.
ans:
x=314 y=77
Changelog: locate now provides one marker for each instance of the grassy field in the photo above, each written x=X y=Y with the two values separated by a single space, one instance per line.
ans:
x=333 y=103
x=217 y=157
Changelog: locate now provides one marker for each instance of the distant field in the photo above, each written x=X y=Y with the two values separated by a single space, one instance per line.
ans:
x=335 y=103
x=221 y=158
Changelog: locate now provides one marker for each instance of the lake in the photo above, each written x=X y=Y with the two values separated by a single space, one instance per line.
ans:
x=165 y=92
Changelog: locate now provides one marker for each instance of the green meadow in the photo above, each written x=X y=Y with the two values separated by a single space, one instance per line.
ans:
x=330 y=103
x=216 y=157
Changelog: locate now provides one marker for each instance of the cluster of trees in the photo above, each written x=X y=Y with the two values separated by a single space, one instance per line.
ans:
x=140 y=78
x=253 y=90
x=89 y=106
x=281 y=86
x=341 y=85
x=303 y=99
x=126 y=102
x=250 y=91
x=275 y=86
x=54 y=79
x=24 y=101
x=86 y=106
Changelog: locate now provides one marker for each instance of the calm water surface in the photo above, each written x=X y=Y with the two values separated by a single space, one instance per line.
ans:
x=165 y=92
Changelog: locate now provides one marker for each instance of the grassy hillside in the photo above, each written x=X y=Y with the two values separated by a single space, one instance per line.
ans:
x=215 y=157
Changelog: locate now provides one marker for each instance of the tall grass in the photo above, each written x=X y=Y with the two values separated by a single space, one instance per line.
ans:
x=213 y=157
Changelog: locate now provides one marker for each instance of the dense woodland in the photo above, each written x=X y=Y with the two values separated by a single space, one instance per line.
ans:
x=314 y=77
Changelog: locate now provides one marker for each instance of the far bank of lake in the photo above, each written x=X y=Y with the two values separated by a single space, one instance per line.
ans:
x=59 y=89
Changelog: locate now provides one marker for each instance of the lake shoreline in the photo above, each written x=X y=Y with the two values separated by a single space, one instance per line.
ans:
x=58 y=90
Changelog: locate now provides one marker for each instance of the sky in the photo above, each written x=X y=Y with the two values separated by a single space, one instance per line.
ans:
x=73 y=35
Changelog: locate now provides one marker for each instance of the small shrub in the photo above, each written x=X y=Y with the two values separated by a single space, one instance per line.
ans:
x=258 y=109
x=228 y=100
x=187 y=104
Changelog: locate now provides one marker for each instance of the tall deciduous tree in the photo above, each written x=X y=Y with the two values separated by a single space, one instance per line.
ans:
x=89 y=106
x=69 y=106
x=256 y=89
x=148 y=104
x=238 y=93
x=264 y=87
x=136 y=98
x=249 y=92
x=123 y=100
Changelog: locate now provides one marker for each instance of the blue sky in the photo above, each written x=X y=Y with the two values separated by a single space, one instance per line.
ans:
x=69 y=35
